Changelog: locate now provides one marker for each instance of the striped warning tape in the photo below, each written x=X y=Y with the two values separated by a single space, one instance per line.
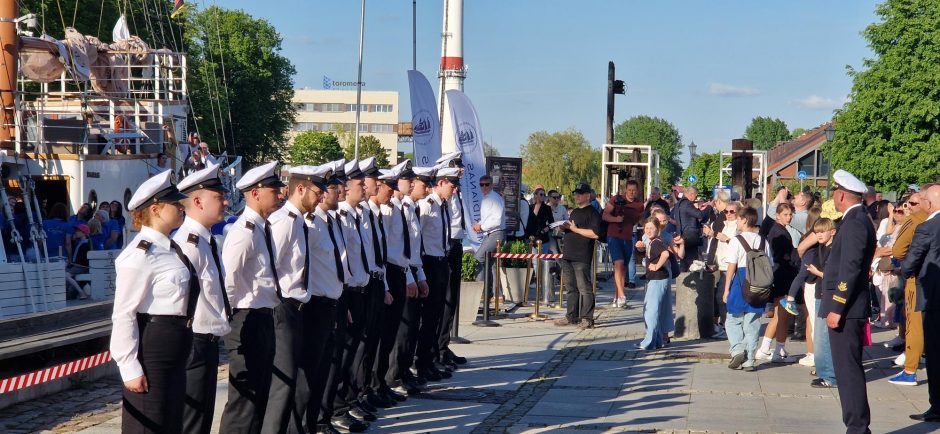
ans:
x=526 y=256
x=53 y=373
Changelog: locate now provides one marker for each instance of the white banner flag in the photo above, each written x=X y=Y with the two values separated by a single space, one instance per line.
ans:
x=469 y=141
x=425 y=124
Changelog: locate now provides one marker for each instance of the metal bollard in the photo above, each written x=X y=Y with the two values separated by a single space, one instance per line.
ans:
x=487 y=284
x=538 y=286
x=561 y=290
x=499 y=282
x=594 y=269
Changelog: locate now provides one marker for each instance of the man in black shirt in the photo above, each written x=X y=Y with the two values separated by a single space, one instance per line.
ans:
x=577 y=253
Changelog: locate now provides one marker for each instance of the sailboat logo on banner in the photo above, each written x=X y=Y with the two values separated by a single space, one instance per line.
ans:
x=466 y=136
x=422 y=127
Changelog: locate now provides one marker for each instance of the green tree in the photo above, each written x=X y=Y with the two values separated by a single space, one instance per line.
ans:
x=369 y=146
x=659 y=134
x=314 y=147
x=797 y=132
x=560 y=160
x=705 y=167
x=765 y=132
x=255 y=90
x=888 y=132
x=489 y=150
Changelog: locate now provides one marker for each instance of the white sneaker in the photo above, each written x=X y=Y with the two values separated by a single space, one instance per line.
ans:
x=760 y=355
x=623 y=302
x=808 y=360
x=898 y=340
x=900 y=360
x=615 y=303
x=783 y=353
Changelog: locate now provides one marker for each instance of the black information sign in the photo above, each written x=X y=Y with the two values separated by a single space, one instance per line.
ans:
x=507 y=177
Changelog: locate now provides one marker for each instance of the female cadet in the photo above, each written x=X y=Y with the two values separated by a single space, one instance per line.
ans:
x=153 y=309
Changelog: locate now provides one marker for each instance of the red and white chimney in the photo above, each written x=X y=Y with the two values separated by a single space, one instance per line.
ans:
x=452 y=72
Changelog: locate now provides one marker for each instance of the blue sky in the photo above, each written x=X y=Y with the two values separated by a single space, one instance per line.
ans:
x=708 y=67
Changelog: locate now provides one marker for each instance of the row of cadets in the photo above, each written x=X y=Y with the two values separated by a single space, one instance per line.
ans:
x=205 y=206
x=250 y=282
x=446 y=356
x=295 y=318
x=435 y=222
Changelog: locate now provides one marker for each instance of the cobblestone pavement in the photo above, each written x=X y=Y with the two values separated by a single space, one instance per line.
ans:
x=531 y=376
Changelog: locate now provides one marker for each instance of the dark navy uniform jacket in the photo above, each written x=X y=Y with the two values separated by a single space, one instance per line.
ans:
x=845 y=278
x=923 y=262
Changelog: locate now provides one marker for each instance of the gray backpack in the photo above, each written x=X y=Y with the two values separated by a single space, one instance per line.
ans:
x=759 y=274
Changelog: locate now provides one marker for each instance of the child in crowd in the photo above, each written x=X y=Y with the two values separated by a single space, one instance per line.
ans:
x=657 y=305
x=742 y=323
x=97 y=236
x=79 y=263
x=825 y=231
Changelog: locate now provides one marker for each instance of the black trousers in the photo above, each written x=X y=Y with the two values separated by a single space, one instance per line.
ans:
x=432 y=309
x=373 y=313
x=386 y=362
x=162 y=352
x=451 y=296
x=288 y=320
x=932 y=352
x=250 y=348
x=202 y=371
x=406 y=340
x=314 y=363
x=846 y=343
x=578 y=289
x=346 y=389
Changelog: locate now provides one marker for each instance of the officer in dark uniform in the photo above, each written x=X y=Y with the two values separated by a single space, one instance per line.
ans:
x=846 y=303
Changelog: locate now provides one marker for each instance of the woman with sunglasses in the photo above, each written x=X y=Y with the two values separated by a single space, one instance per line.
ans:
x=540 y=216
x=154 y=304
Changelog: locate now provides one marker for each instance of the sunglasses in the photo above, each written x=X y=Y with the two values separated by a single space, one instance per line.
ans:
x=554 y=197
x=485 y=184
x=729 y=211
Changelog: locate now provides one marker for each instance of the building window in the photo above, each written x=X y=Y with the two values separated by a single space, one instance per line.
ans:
x=823 y=165
x=382 y=128
x=807 y=163
x=332 y=108
x=382 y=108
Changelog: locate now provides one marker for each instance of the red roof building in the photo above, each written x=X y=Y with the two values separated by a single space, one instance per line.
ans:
x=786 y=159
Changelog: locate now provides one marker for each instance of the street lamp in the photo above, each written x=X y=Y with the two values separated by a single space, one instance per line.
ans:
x=830 y=134
x=692 y=152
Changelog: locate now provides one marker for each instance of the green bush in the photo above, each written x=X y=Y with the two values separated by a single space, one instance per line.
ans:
x=468 y=267
x=517 y=246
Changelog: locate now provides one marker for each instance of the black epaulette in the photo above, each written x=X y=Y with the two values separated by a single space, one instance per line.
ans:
x=193 y=239
x=291 y=214
x=342 y=212
x=144 y=245
x=249 y=225
x=309 y=216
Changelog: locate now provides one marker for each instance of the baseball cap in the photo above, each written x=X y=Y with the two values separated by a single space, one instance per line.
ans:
x=582 y=187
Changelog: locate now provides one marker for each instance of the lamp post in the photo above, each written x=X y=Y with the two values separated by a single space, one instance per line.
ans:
x=692 y=148
x=830 y=134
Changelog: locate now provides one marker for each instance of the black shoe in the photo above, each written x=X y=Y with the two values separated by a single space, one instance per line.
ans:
x=737 y=361
x=414 y=375
x=820 y=383
x=928 y=416
x=326 y=428
x=430 y=374
x=367 y=406
x=362 y=414
x=378 y=400
x=349 y=423
x=898 y=348
x=444 y=367
x=631 y=285
x=441 y=370
x=455 y=358
x=394 y=396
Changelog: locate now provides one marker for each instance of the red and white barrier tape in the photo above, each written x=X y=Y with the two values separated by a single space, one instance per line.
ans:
x=53 y=373
x=527 y=256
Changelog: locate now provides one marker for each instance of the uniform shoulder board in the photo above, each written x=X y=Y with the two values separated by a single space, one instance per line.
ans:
x=291 y=214
x=342 y=212
x=309 y=216
x=193 y=239
x=405 y=204
x=144 y=245
x=249 y=225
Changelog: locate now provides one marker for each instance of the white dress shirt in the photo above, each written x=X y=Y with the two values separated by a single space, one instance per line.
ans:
x=414 y=231
x=150 y=278
x=523 y=218
x=371 y=218
x=492 y=213
x=324 y=277
x=290 y=250
x=456 y=215
x=351 y=224
x=210 y=317
x=434 y=226
x=395 y=231
x=249 y=277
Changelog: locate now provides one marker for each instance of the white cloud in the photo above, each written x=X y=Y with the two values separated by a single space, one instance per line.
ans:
x=720 y=89
x=818 y=102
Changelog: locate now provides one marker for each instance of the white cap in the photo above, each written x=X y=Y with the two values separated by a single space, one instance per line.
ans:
x=339 y=170
x=368 y=167
x=261 y=176
x=314 y=174
x=451 y=159
x=207 y=178
x=449 y=173
x=159 y=188
x=849 y=182
x=351 y=170
x=403 y=170
x=425 y=174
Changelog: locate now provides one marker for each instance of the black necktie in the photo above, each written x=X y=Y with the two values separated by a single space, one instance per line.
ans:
x=194 y=286
x=339 y=262
x=384 y=241
x=418 y=219
x=406 y=232
x=445 y=222
x=270 y=246
x=218 y=266
x=306 y=273
x=376 y=250
x=463 y=221
x=362 y=247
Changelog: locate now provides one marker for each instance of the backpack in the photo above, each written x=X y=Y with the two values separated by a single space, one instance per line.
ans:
x=759 y=274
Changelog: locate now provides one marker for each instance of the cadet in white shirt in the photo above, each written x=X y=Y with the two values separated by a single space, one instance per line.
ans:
x=251 y=284
x=289 y=243
x=455 y=262
x=154 y=304
x=435 y=233
x=205 y=207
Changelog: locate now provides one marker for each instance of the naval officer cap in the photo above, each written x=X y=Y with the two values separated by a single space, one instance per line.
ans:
x=451 y=174
x=313 y=174
x=261 y=176
x=848 y=182
x=425 y=174
x=352 y=171
x=368 y=167
x=404 y=170
x=452 y=159
x=389 y=177
x=339 y=171
x=159 y=188
x=207 y=179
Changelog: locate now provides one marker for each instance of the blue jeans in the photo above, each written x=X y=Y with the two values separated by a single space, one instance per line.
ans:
x=822 y=352
x=657 y=313
x=743 y=331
